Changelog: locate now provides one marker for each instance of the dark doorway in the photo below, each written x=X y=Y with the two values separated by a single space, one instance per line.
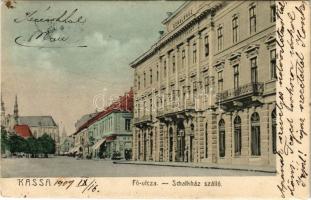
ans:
x=151 y=145
x=138 y=148
x=145 y=146
x=180 y=142
x=191 y=147
x=102 y=151
x=171 y=144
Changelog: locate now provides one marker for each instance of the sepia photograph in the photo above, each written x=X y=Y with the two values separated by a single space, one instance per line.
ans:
x=122 y=89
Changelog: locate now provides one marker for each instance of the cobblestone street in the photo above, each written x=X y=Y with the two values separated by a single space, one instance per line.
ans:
x=70 y=167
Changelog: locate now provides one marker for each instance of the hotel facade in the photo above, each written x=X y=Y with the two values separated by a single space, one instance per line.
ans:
x=205 y=91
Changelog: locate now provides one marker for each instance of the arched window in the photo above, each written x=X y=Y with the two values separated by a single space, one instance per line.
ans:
x=206 y=141
x=273 y=117
x=237 y=136
x=255 y=134
x=221 y=126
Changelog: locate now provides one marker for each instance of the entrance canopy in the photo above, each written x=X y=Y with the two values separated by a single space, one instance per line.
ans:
x=98 y=143
x=74 y=149
x=110 y=138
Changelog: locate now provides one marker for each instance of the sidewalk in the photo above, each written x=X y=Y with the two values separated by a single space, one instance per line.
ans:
x=202 y=165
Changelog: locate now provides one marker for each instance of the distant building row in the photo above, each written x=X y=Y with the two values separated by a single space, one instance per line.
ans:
x=107 y=133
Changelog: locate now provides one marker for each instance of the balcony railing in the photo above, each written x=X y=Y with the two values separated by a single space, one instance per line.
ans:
x=144 y=118
x=253 y=89
x=176 y=106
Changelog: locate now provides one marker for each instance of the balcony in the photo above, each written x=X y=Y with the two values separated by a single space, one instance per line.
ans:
x=175 y=108
x=164 y=111
x=189 y=105
x=143 y=119
x=240 y=96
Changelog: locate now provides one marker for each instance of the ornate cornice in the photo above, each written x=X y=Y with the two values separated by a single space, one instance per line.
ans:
x=219 y=65
x=234 y=58
x=251 y=50
x=178 y=31
x=270 y=41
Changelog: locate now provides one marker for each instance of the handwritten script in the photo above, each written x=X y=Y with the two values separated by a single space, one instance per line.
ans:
x=292 y=153
x=49 y=30
x=83 y=184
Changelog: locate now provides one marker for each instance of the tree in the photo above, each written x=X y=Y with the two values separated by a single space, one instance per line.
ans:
x=33 y=146
x=4 y=140
x=17 y=144
x=47 y=143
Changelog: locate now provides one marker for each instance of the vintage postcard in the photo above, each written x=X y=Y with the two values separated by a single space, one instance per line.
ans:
x=155 y=99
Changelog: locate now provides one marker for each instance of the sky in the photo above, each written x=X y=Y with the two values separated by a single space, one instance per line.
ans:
x=64 y=82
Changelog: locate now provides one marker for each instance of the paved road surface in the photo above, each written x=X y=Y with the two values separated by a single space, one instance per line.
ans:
x=70 y=167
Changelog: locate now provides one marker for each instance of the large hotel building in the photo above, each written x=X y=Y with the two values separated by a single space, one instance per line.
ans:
x=205 y=91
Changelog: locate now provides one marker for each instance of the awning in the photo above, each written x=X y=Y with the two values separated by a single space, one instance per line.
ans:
x=71 y=150
x=110 y=138
x=98 y=143
x=74 y=149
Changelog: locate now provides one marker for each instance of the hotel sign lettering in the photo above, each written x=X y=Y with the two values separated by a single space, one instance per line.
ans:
x=183 y=18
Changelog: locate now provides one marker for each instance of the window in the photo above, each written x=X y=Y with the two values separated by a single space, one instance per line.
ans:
x=255 y=134
x=157 y=105
x=252 y=19
x=183 y=58
x=150 y=106
x=273 y=17
x=150 y=76
x=206 y=85
x=194 y=53
x=220 y=81
x=144 y=79
x=273 y=117
x=157 y=73
x=273 y=63
x=236 y=76
x=173 y=95
x=254 y=70
x=139 y=82
x=194 y=91
x=128 y=124
x=222 y=147
x=237 y=136
x=206 y=45
x=235 y=26
x=206 y=141
x=164 y=68
x=220 y=38
x=174 y=64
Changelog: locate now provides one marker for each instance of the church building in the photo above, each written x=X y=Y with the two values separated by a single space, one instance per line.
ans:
x=29 y=125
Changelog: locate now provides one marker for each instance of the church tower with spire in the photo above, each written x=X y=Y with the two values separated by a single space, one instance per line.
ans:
x=15 y=115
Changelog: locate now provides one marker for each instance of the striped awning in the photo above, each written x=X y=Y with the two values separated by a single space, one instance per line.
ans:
x=98 y=143
x=74 y=149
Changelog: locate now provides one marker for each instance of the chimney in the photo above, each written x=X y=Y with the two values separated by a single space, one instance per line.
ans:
x=161 y=33
x=169 y=14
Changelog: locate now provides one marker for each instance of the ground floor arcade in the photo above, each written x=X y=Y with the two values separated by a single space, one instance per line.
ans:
x=243 y=136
